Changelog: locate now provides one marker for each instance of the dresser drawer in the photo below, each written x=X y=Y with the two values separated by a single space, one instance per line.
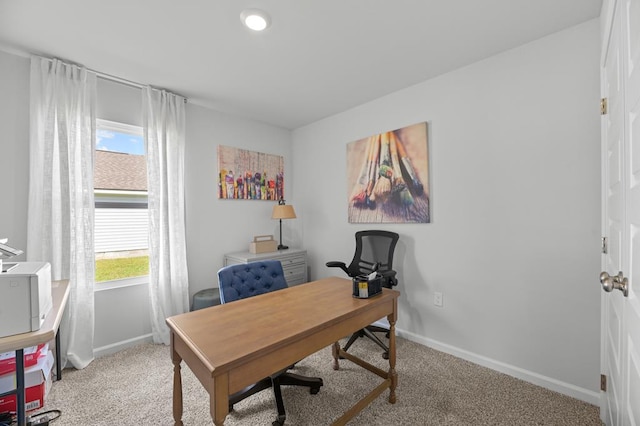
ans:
x=297 y=269
x=292 y=260
x=297 y=278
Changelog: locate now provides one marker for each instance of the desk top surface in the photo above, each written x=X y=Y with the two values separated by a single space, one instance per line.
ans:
x=47 y=332
x=222 y=334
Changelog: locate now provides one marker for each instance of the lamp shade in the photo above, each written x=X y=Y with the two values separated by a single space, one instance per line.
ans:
x=283 y=211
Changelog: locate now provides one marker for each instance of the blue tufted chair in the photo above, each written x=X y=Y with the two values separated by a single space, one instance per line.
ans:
x=252 y=279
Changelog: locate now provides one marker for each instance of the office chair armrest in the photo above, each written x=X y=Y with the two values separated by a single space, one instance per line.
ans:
x=390 y=278
x=341 y=265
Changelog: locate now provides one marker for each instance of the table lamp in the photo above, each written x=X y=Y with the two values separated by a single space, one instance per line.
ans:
x=282 y=211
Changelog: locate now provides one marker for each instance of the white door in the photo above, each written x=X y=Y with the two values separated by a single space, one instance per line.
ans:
x=620 y=307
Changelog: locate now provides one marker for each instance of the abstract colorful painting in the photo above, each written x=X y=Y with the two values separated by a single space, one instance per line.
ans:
x=388 y=177
x=249 y=175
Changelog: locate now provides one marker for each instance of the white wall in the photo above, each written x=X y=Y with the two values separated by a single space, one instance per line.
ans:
x=14 y=149
x=122 y=318
x=218 y=226
x=513 y=243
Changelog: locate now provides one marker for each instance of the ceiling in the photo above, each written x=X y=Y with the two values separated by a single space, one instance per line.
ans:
x=317 y=59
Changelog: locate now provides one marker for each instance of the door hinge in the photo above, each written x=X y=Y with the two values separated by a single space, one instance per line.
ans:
x=603 y=106
x=603 y=383
x=605 y=245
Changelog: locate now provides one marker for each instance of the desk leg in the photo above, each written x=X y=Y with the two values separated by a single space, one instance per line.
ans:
x=392 y=359
x=219 y=399
x=336 y=355
x=58 y=366
x=20 y=409
x=177 y=386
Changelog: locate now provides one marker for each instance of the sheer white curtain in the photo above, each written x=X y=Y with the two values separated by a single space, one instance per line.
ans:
x=164 y=133
x=61 y=206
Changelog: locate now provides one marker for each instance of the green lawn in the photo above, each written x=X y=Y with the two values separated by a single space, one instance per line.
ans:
x=126 y=267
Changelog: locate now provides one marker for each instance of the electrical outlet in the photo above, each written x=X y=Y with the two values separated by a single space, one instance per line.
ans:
x=437 y=298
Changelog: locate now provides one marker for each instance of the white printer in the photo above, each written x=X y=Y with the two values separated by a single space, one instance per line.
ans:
x=25 y=297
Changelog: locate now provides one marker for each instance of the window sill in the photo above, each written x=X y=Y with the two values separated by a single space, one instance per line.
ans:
x=126 y=282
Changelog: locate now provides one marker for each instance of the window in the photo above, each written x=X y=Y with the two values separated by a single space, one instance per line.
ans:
x=120 y=189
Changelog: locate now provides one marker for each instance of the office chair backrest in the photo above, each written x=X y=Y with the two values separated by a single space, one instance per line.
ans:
x=250 y=279
x=373 y=247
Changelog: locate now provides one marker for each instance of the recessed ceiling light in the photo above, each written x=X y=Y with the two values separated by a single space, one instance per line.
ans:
x=255 y=19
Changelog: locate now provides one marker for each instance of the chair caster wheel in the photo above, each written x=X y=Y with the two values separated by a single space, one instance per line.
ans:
x=277 y=422
x=385 y=355
x=314 y=391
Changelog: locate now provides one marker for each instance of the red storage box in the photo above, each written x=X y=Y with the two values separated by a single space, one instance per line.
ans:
x=37 y=381
x=31 y=355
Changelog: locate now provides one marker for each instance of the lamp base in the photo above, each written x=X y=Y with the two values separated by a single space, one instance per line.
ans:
x=281 y=247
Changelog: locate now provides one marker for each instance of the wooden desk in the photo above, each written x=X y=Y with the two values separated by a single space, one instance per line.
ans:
x=48 y=331
x=231 y=346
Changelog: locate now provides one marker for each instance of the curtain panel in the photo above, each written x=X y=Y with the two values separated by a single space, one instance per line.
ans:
x=61 y=203
x=164 y=134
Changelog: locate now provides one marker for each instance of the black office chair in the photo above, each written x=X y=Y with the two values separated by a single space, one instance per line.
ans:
x=251 y=279
x=374 y=249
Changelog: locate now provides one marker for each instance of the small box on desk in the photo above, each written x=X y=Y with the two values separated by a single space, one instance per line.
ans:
x=363 y=288
x=263 y=244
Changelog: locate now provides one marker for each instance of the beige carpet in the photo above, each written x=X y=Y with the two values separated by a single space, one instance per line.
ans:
x=134 y=387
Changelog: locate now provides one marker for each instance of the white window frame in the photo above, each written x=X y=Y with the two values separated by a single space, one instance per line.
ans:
x=114 y=126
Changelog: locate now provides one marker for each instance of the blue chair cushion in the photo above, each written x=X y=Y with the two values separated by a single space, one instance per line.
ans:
x=250 y=279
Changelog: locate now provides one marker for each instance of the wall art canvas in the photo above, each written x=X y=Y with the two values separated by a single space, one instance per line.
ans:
x=388 y=177
x=249 y=175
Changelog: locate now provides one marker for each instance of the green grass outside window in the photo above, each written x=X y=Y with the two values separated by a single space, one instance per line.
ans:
x=117 y=269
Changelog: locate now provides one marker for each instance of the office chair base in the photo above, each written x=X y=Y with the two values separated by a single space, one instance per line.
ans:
x=281 y=379
x=277 y=395
x=249 y=390
x=313 y=383
x=368 y=332
x=377 y=329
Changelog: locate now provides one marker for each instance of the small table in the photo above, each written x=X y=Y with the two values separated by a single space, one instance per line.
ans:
x=309 y=316
x=48 y=331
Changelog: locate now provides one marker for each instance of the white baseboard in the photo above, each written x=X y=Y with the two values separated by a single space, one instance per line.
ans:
x=118 y=346
x=555 y=385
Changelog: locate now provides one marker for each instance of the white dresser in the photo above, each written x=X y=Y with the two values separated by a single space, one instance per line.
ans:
x=294 y=262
